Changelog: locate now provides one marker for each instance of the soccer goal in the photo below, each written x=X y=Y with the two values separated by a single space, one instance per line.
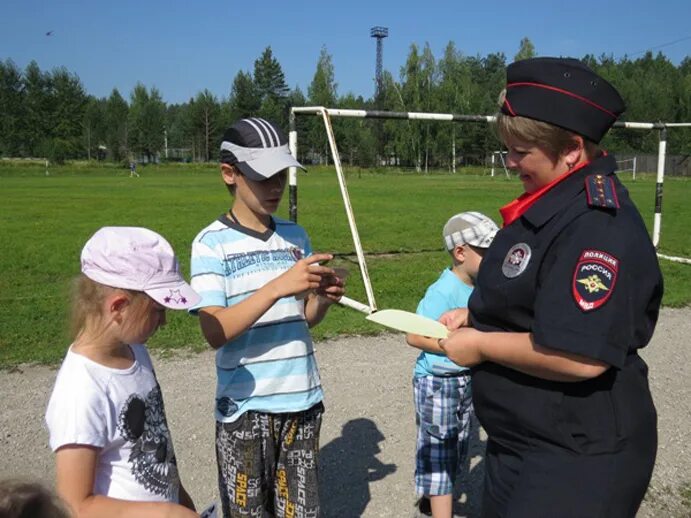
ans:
x=498 y=160
x=628 y=165
x=327 y=113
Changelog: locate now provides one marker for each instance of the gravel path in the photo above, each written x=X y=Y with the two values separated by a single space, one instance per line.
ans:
x=368 y=435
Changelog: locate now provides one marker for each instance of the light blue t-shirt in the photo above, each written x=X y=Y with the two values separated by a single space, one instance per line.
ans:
x=271 y=367
x=447 y=292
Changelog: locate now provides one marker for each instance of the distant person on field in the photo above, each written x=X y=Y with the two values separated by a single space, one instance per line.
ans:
x=262 y=289
x=23 y=499
x=133 y=169
x=106 y=419
x=441 y=388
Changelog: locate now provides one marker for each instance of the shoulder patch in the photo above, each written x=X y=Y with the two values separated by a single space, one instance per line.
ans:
x=601 y=191
x=594 y=279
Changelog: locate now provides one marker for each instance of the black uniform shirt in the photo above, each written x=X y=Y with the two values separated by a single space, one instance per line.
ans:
x=582 y=275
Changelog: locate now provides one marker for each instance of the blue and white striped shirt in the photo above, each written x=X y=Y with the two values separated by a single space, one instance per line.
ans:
x=271 y=367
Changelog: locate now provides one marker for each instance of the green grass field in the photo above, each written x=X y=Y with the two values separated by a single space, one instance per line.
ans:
x=46 y=220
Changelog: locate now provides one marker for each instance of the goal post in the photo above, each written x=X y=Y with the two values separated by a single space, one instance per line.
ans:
x=327 y=113
x=371 y=305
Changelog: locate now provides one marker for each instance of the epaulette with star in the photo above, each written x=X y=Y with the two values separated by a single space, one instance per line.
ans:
x=601 y=191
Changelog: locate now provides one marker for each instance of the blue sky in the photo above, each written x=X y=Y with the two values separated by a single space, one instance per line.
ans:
x=183 y=47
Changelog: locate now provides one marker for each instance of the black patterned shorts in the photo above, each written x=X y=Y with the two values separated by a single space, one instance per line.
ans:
x=267 y=464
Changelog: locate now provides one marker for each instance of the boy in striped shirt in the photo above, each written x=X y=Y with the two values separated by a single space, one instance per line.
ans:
x=262 y=288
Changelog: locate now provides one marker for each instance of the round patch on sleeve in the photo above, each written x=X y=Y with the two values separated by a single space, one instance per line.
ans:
x=594 y=279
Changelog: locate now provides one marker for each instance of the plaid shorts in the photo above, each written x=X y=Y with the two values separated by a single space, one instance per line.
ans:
x=443 y=408
x=267 y=464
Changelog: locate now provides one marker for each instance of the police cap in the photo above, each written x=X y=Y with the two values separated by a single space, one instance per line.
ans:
x=563 y=92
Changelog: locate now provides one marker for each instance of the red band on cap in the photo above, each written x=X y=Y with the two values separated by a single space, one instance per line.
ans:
x=565 y=92
x=508 y=107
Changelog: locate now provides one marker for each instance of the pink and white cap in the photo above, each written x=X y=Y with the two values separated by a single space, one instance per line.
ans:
x=136 y=258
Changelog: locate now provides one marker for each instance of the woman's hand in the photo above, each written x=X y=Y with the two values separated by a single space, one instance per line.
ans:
x=455 y=319
x=463 y=347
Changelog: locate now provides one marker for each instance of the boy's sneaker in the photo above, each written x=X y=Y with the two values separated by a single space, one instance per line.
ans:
x=423 y=507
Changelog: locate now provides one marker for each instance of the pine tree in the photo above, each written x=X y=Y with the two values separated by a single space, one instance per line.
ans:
x=526 y=50
x=68 y=102
x=271 y=87
x=269 y=77
x=244 y=97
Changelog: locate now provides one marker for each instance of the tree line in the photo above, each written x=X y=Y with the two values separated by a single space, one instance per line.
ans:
x=49 y=113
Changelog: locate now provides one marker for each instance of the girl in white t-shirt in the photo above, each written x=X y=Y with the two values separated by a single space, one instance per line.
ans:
x=107 y=424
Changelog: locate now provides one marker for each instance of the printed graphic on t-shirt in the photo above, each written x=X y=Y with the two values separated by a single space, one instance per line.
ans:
x=143 y=423
x=260 y=260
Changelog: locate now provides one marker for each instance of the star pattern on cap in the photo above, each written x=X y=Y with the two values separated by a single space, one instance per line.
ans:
x=175 y=296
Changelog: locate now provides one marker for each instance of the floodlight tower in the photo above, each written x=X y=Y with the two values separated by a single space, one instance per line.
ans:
x=380 y=33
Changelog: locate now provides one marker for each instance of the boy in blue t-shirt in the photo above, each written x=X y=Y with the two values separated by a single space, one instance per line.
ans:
x=261 y=290
x=441 y=388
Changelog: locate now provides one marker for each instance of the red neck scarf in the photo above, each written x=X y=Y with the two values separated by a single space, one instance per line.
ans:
x=516 y=208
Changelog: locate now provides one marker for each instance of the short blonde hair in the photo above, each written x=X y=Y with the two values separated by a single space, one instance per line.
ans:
x=553 y=140
x=87 y=303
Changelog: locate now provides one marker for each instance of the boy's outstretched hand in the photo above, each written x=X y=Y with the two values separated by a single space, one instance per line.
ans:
x=305 y=275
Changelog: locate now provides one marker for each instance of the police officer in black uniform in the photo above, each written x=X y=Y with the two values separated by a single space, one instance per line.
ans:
x=566 y=295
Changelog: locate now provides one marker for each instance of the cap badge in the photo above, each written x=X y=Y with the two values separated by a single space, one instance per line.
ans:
x=594 y=279
x=516 y=260
x=175 y=296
